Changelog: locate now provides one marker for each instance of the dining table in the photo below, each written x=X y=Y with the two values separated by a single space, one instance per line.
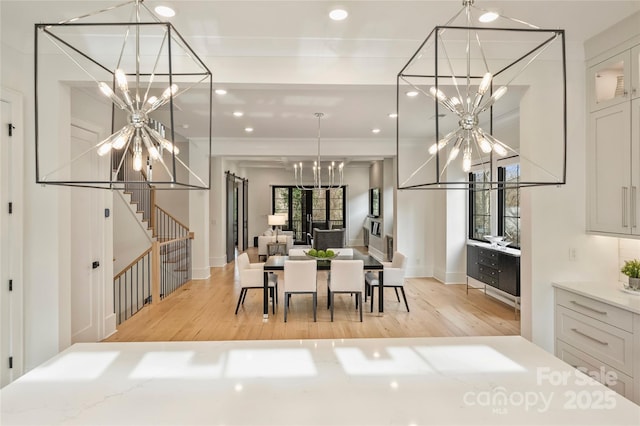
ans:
x=276 y=263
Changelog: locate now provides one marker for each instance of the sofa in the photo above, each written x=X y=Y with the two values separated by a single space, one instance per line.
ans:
x=328 y=238
x=283 y=237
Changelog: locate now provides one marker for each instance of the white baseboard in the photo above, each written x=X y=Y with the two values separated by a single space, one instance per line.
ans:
x=110 y=325
x=377 y=254
x=200 y=273
x=450 y=277
x=216 y=262
x=419 y=272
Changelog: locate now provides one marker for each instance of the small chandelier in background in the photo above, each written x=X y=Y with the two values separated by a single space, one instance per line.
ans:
x=334 y=172
x=472 y=94
x=141 y=68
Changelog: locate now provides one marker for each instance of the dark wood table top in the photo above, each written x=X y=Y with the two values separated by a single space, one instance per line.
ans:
x=276 y=263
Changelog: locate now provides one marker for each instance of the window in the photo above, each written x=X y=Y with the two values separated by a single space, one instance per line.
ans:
x=479 y=206
x=308 y=209
x=509 y=204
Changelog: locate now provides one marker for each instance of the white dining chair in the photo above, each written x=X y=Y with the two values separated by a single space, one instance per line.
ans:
x=300 y=278
x=252 y=276
x=346 y=277
x=393 y=276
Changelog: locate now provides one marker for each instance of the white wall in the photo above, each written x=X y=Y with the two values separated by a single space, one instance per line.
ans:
x=554 y=219
x=129 y=238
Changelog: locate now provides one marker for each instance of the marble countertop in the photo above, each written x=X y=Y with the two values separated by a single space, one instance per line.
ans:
x=612 y=293
x=410 y=381
x=508 y=250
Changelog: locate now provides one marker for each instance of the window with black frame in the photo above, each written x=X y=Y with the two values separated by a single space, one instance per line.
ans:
x=479 y=205
x=508 y=211
x=509 y=204
x=307 y=209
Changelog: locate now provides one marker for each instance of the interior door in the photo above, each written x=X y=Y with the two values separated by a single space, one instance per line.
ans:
x=87 y=236
x=245 y=214
x=230 y=217
x=5 y=252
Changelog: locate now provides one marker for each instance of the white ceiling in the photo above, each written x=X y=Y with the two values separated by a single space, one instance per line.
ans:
x=281 y=61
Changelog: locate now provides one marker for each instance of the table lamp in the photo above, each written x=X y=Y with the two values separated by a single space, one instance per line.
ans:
x=277 y=221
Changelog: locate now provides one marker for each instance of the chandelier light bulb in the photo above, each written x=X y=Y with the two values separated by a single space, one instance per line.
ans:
x=466 y=160
x=120 y=141
x=485 y=83
x=137 y=161
x=485 y=145
x=121 y=79
x=170 y=91
x=151 y=149
x=499 y=149
x=104 y=149
x=106 y=90
x=454 y=153
x=438 y=146
x=489 y=16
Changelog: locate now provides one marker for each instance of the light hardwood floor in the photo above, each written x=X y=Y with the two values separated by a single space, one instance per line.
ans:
x=204 y=310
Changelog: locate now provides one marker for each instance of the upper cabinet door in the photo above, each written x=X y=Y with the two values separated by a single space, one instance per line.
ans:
x=635 y=72
x=609 y=82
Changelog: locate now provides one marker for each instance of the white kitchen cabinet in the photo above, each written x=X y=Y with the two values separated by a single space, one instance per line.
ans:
x=597 y=329
x=609 y=82
x=613 y=144
x=635 y=72
x=612 y=166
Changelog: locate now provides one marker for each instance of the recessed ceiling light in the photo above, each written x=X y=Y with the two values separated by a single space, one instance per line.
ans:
x=375 y=130
x=489 y=16
x=165 y=11
x=221 y=92
x=185 y=126
x=248 y=129
x=412 y=94
x=338 y=14
x=393 y=114
x=238 y=113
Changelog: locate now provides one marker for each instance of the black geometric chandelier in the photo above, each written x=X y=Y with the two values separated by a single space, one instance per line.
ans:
x=476 y=95
x=137 y=87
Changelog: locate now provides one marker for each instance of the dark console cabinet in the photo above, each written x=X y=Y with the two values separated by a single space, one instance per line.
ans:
x=494 y=267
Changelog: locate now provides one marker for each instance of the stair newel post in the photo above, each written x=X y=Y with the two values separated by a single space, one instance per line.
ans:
x=155 y=272
x=152 y=214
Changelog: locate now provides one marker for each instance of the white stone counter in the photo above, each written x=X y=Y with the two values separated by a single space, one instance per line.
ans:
x=444 y=381
x=612 y=293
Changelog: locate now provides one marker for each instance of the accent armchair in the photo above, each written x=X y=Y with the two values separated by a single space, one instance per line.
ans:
x=393 y=277
x=252 y=276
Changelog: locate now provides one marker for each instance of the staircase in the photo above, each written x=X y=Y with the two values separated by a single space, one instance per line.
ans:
x=162 y=268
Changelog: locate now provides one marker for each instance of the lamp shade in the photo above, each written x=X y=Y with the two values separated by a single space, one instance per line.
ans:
x=276 y=220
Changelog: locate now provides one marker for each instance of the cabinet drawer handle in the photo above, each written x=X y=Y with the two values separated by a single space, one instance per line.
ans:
x=624 y=206
x=575 y=330
x=589 y=308
x=633 y=206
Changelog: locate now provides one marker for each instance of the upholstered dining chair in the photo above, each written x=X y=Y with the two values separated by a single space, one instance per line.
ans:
x=346 y=277
x=252 y=276
x=393 y=277
x=300 y=278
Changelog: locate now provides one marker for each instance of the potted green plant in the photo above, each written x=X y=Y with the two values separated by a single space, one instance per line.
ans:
x=631 y=269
